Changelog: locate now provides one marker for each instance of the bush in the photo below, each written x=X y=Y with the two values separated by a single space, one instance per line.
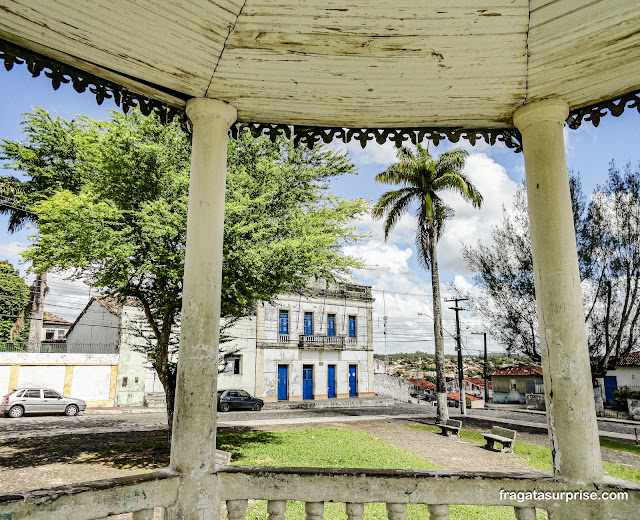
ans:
x=622 y=394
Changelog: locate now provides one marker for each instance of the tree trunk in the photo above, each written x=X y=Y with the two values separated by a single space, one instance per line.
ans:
x=38 y=290
x=441 y=390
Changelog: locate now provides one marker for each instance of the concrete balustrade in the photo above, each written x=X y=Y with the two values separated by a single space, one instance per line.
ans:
x=355 y=511
x=276 y=509
x=314 y=486
x=144 y=514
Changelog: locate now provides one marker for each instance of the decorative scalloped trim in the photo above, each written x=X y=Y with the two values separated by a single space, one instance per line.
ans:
x=60 y=73
x=597 y=111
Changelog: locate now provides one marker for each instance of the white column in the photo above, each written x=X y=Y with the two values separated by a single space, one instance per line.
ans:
x=571 y=417
x=194 y=423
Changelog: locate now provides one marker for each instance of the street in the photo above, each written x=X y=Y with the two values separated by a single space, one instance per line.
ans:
x=87 y=423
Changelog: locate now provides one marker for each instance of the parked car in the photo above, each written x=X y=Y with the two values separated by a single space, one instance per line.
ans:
x=239 y=400
x=39 y=400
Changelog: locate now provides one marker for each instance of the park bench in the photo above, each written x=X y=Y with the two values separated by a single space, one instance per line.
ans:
x=504 y=436
x=450 y=425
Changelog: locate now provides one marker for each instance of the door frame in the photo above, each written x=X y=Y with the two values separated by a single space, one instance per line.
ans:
x=355 y=373
x=286 y=385
x=311 y=367
x=335 y=383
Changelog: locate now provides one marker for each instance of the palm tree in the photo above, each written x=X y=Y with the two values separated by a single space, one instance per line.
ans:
x=422 y=179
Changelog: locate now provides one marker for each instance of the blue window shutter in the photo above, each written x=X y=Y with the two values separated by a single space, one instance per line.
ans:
x=284 y=322
x=352 y=326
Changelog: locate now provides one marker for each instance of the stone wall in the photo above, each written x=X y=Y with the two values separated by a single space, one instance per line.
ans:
x=392 y=386
x=535 y=402
x=634 y=409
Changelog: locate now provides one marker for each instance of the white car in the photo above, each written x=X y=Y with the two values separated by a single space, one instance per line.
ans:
x=39 y=400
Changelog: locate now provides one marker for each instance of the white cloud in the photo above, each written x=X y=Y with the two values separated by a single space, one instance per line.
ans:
x=403 y=232
x=470 y=224
x=373 y=153
x=10 y=251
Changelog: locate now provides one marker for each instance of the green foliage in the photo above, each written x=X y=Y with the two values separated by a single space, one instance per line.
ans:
x=52 y=156
x=621 y=396
x=110 y=200
x=14 y=298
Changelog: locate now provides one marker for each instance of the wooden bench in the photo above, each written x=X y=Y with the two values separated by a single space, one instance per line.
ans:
x=504 y=436
x=450 y=425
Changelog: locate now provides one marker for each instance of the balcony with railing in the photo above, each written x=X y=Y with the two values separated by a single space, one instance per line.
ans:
x=319 y=341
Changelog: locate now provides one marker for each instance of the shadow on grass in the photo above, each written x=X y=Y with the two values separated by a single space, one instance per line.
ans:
x=238 y=440
x=148 y=449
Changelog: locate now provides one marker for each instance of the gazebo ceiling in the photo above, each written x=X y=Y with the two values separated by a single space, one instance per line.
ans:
x=339 y=63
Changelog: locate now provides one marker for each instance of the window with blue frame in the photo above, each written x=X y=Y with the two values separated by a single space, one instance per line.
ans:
x=352 y=326
x=283 y=321
x=308 y=323
x=331 y=324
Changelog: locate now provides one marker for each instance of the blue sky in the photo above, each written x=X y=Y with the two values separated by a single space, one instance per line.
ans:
x=402 y=287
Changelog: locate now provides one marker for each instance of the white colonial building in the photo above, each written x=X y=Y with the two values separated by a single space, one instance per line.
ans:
x=317 y=344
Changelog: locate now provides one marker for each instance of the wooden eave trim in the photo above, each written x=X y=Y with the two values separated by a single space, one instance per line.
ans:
x=130 y=92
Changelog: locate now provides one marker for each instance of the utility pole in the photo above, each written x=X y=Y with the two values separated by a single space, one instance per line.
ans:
x=485 y=367
x=461 y=392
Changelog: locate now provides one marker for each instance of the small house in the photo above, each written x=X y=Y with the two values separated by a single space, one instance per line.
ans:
x=510 y=384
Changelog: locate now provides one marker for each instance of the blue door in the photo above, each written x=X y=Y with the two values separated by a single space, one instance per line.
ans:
x=353 y=380
x=331 y=381
x=283 y=384
x=307 y=381
x=610 y=386
x=308 y=323
x=331 y=324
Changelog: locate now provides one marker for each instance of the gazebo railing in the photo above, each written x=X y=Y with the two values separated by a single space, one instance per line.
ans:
x=237 y=485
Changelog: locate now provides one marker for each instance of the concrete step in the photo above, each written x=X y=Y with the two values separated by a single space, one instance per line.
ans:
x=351 y=402
x=155 y=400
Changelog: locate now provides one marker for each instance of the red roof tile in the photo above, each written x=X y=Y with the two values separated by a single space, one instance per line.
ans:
x=477 y=381
x=632 y=360
x=422 y=383
x=52 y=319
x=115 y=307
x=517 y=370
x=456 y=396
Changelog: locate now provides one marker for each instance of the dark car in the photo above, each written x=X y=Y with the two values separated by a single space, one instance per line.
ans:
x=238 y=400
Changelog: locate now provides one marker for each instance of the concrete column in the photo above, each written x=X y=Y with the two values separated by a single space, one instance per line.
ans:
x=571 y=417
x=194 y=423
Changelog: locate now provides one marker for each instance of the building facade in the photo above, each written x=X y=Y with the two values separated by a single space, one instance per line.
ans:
x=316 y=345
x=511 y=384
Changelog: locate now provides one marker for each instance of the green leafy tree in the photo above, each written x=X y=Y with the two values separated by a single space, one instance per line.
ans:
x=124 y=231
x=608 y=237
x=50 y=159
x=423 y=179
x=14 y=298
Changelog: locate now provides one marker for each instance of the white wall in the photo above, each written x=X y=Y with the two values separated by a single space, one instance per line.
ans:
x=243 y=333
x=91 y=383
x=86 y=376
x=134 y=331
x=5 y=374
x=296 y=359
x=44 y=376
x=298 y=306
x=626 y=376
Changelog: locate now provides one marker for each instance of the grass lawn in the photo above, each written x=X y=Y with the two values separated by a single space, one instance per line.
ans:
x=539 y=457
x=332 y=447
